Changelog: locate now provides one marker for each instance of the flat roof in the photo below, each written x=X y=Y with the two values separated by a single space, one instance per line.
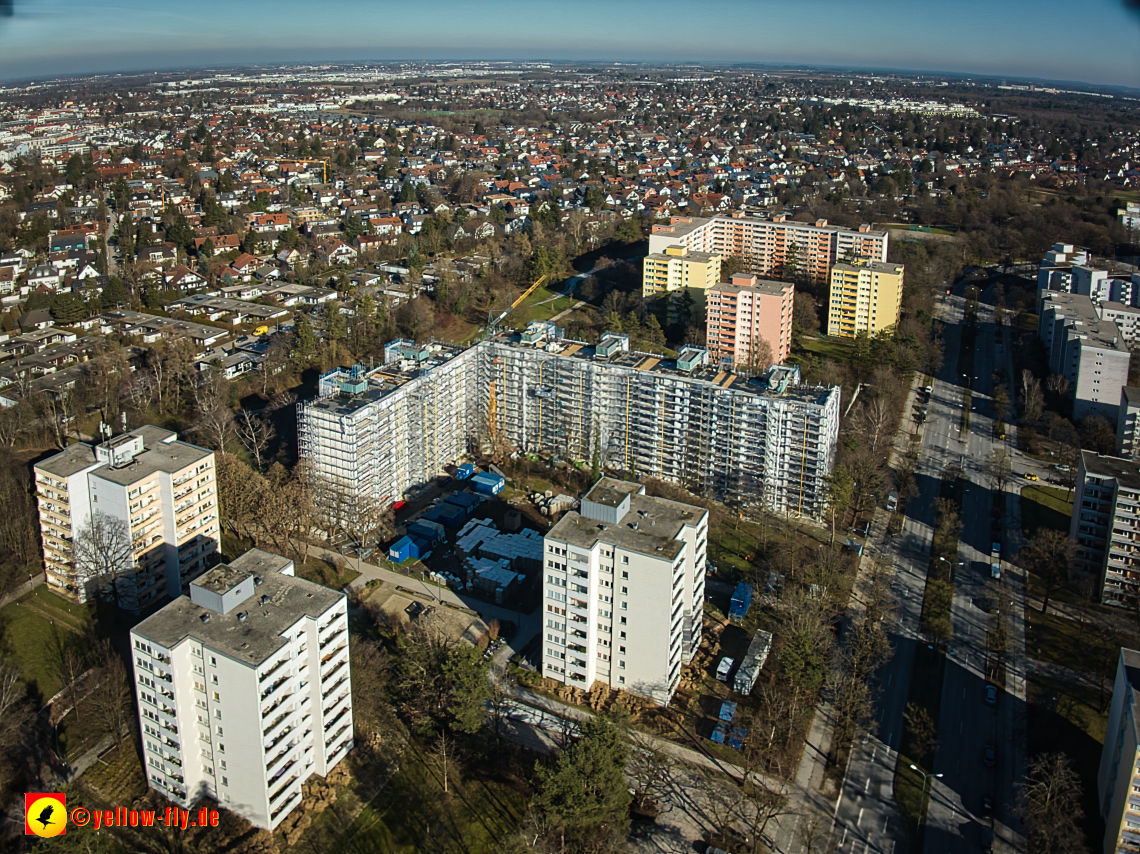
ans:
x=1125 y=472
x=658 y=523
x=258 y=637
x=161 y=453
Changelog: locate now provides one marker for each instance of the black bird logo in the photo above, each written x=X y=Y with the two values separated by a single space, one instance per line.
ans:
x=44 y=817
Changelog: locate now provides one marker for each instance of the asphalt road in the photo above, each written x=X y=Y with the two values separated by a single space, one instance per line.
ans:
x=968 y=724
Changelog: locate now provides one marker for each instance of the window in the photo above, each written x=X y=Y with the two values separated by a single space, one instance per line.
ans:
x=624 y=559
x=225 y=781
x=213 y=661
x=220 y=731
x=624 y=591
x=217 y=697
x=622 y=648
x=625 y=575
x=622 y=634
x=623 y=623
x=215 y=678
x=221 y=748
x=621 y=680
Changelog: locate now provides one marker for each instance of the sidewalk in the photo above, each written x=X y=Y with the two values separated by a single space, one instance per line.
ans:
x=21 y=589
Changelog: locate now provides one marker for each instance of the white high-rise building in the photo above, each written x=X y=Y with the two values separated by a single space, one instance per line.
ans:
x=162 y=491
x=243 y=688
x=1119 y=777
x=623 y=589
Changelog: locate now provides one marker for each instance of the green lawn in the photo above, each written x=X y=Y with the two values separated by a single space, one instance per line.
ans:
x=413 y=814
x=1045 y=507
x=319 y=572
x=831 y=347
x=1066 y=643
x=535 y=307
x=26 y=627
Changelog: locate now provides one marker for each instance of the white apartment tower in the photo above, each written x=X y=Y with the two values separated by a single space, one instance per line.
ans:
x=243 y=688
x=623 y=586
x=163 y=490
x=1118 y=780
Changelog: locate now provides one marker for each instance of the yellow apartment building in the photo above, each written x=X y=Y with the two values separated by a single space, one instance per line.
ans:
x=677 y=268
x=866 y=296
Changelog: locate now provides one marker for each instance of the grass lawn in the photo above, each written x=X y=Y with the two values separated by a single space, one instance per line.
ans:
x=319 y=572
x=1045 y=507
x=117 y=776
x=413 y=814
x=26 y=627
x=1064 y=642
x=535 y=307
x=831 y=347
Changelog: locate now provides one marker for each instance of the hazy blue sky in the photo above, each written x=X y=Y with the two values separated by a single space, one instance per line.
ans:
x=1094 y=40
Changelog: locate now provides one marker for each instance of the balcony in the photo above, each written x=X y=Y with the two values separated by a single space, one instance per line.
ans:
x=281 y=736
x=281 y=790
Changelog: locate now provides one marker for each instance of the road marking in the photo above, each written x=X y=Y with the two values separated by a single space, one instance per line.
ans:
x=859 y=820
x=886 y=822
x=866 y=788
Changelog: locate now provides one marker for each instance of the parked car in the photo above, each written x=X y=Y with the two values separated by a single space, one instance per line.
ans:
x=1030 y=476
x=991 y=695
x=1061 y=468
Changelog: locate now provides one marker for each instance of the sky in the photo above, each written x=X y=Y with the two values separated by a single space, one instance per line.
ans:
x=1094 y=41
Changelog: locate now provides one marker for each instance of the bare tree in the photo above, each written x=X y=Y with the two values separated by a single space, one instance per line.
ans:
x=110 y=702
x=255 y=433
x=104 y=554
x=15 y=711
x=215 y=419
x=1049 y=556
x=67 y=659
x=444 y=754
x=999 y=467
x=1050 y=803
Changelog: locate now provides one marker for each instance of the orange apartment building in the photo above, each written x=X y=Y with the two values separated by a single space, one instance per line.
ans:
x=744 y=312
x=776 y=248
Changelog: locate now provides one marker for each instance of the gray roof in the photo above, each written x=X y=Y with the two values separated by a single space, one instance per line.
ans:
x=160 y=453
x=258 y=637
x=658 y=520
x=1125 y=472
x=1131 y=395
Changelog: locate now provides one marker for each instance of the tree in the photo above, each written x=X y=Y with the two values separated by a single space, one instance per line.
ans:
x=255 y=433
x=921 y=733
x=67 y=658
x=215 y=419
x=15 y=711
x=1048 y=556
x=840 y=488
x=466 y=671
x=336 y=326
x=104 y=556
x=110 y=702
x=1050 y=804
x=583 y=792
x=998 y=466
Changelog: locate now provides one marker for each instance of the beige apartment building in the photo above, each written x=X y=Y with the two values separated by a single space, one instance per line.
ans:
x=776 y=247
x=866 y=296
x=678 y=268
x=161 y=490
x=744 y=312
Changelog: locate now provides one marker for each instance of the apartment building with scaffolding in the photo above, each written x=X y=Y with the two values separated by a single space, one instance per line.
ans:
x=775 y=248
x=373 y=434
x=767 y=440
x=159 y=492
x=244 y=688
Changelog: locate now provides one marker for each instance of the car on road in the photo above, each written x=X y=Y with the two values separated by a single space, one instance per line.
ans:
x=989 y=756
x=1030 y=476
x=991 y=695
x=995 y=548
x=987 y=806
x=1061 y=468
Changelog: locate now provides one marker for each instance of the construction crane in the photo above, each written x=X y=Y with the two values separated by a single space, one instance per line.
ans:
x=326 y=163
x=493 y=323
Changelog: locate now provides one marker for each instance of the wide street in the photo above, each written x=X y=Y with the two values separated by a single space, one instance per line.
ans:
x=867 y=816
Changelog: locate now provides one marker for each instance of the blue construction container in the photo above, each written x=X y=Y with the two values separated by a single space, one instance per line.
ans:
x=403 y=549
x=423 y=532
x=465 y=500
x=719 y=733
x=423 y=547
x=741 y=602
x=727 y=711
x=464 y=471
x=451 y=515
x=487 y=483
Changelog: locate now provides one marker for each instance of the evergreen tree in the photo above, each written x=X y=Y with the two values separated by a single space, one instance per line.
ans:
x=613 y=322
x=653 y=331
x=466 y=672
x=336 y=326
x=584 y=792
x=305 y=344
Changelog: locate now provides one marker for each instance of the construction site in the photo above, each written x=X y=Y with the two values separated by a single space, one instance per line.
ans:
x=381 y=432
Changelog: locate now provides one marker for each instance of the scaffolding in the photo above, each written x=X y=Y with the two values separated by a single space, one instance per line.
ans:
x=717 y=434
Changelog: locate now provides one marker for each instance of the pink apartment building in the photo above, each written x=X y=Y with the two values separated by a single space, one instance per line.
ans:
x=744 y=312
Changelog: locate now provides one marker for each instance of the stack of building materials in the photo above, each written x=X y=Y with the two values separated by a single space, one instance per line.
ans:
x=473 y=533
x=753 y=661
x=741 y=602
x=522 y=550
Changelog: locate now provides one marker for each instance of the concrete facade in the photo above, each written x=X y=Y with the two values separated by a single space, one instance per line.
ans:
x=774 y=248
x=745 y=311
x=679 y=268
x=1118 y=779
x=865 y=296
x=1105 y=527
x=243 y=688
x=623 y=590
x=1127 y=442
x=163 y=494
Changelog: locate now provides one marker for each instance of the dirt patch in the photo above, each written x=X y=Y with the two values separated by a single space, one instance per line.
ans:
x=403 y=607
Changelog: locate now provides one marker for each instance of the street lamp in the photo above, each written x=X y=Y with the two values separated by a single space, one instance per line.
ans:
x=925 y=778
